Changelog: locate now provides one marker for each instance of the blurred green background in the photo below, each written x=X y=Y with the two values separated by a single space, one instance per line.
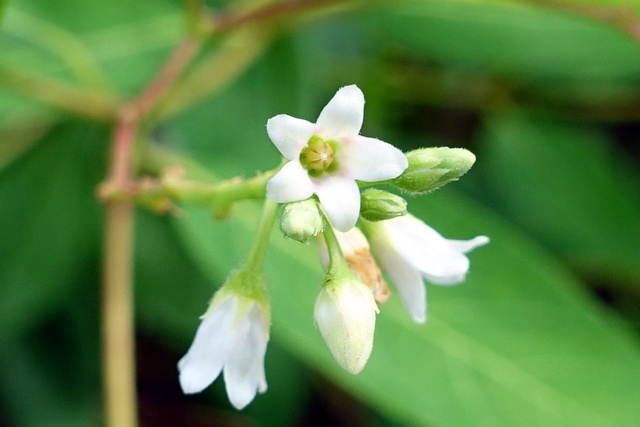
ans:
x=544 y=332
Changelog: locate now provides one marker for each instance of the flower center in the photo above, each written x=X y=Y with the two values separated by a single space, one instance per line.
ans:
x=317 y=156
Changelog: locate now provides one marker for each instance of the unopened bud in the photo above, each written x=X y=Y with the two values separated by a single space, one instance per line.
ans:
x=378 y=205
x=301 y=221
x=345 y=313
x=433 y=167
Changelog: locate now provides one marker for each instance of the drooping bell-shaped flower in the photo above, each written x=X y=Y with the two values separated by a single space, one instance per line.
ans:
x=410 y=251
x=328 y=156
x=232 y=339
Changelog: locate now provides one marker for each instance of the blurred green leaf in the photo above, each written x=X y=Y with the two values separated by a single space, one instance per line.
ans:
x=127 y=43
x=50 y=222
x=48 y=298
x=3 y=5
x=620 y=6
x=507 y=39
x=31 y=394
x=565 y=184
x=85 y=16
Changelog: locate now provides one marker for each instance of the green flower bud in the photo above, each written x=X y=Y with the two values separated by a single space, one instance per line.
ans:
x=301 y=221
x=378 y=205
x=433 y=167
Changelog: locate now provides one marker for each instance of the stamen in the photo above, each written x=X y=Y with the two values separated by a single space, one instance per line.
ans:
x=317 y=156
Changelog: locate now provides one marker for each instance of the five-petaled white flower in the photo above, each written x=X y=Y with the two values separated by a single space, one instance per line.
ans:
x=409 y=250
x=326 y=157
x=232 y=338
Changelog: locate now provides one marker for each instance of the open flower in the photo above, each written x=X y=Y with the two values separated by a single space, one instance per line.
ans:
x=231 y=338
x=326 y=157
x=410 y=251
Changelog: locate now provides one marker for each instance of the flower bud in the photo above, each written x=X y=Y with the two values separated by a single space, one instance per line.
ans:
x=433 y=167
x=378 y=205
x=345 y=313
x=301 y=221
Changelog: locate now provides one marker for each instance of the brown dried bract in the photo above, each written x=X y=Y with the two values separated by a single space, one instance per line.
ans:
x=364 y=266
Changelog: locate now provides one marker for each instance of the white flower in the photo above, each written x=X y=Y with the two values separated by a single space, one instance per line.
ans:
x=326 y=157
x=410 y=251
x=345 y=312
x=232 y=338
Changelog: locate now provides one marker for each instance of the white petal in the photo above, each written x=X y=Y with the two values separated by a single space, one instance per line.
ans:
x=244 y=370
x=206 y=356
x=466 y=246
x=289 y=135
x=343 y=115
x=407 y=279
x=369 y=159
x=426 y=250
x=262 y=378
x=290 y=184
x=340 y=199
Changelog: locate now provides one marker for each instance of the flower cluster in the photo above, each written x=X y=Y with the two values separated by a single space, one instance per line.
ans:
x=326 y=163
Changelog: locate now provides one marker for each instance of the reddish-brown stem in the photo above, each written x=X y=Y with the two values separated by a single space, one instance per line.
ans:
x=121 y=165
x=166 y=77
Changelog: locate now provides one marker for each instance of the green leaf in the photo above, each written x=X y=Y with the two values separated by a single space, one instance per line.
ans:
x=35 y=394
x=3 y=5
x=519 y=342
x=121 y=47
x=564 y=183
x=512 y=40
x=50 y=219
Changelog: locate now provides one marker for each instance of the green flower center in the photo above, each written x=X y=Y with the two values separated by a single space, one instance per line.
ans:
x=318 y=156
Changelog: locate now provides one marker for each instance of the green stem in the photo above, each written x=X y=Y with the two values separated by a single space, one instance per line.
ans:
x=220 y=194
x=258 y=251
x=336 y=257
x=118 y=350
